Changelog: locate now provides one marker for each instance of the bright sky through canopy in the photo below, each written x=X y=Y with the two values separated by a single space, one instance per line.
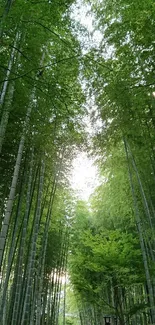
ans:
x=82 y=13
x=84 y=176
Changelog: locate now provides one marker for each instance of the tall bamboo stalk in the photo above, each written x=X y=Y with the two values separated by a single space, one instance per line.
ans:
x=9 y=69
x=140 y=232
x=9 y=206
x=31 y=263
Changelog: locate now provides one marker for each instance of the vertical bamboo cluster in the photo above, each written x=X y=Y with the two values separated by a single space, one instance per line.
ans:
x=39 y=91
x=124 y=95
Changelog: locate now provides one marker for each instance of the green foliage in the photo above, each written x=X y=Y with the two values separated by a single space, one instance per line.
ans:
x=40 y=69
x=103 y=261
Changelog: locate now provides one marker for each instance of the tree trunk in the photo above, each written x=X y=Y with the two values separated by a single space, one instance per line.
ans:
x=31 y=264
x=9 y=69
x=9 y=206
x=139 y=227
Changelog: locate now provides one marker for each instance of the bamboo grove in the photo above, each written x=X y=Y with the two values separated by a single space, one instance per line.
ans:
x=41 y=112
x=108 y=246
x=113 y=256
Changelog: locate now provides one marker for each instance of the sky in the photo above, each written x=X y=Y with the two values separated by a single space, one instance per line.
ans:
x=82 y=13
x=84 y=176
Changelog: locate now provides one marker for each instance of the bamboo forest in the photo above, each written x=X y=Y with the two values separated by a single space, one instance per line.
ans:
x=77 y=78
